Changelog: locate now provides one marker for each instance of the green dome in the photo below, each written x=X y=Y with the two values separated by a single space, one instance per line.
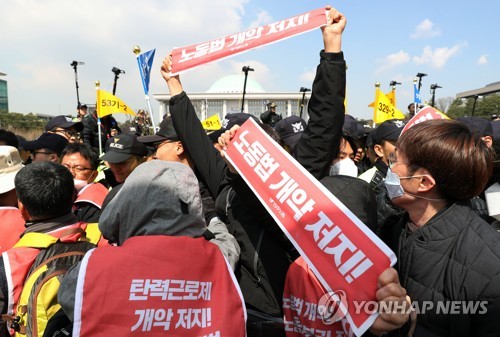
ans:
x=234 y=84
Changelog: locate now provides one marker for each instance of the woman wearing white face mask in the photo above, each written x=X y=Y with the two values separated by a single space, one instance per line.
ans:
x=344 y=163
x=82 y=161
x=446 y=252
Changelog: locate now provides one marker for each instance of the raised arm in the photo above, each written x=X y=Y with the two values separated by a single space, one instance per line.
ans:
x=207 y=160
x=320 y=141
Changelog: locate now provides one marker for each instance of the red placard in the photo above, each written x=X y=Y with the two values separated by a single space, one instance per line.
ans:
x=423 y=115
x=189 y=57
x=343 y=253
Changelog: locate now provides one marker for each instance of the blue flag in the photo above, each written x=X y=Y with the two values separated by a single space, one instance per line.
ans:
x=416 y=94
x=145 y=62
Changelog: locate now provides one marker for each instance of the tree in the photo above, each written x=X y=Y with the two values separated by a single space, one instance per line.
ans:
x=443 y=104
x=21 y=121
x=485 y=106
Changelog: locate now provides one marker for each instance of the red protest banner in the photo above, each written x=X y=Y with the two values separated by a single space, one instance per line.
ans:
x=343 y=253
x=189 y=57
x=424 y=114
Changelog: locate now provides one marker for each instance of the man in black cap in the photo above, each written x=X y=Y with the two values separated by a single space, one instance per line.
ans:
x=66 y=127
x=81 y=111
x=123 y=154
x=270 y=117
x=237 y=118
x=384 y=138
x=47 y=147
x=480 y=126
x=290 y=130
x=165 y=143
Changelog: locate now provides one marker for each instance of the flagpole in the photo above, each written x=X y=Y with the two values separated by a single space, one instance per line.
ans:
x=377 y=87
x=97 y=85
x=151 y=113
x=137 y=52
x=415 y=96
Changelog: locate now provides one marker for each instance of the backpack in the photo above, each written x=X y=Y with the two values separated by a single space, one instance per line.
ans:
x=38 y=312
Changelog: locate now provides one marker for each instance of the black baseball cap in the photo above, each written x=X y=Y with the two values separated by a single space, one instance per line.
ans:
x=237 y=118
x=479 y=125
x=388 y=130
x=63 y=122
x=350 y=127
x=123 y=146
x=290 y=130
x=51 y=141
x=166 y=132
x=214 y=135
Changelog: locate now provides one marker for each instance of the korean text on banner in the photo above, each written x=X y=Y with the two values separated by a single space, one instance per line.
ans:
x=343 y=253
x=425 y=114
x=108 y=104
x=189 y=57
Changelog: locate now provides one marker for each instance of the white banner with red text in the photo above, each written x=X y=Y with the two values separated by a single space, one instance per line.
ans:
x=189 y=57
x=342 y=252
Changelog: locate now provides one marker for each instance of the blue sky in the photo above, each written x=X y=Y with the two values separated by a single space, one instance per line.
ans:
x=454 y=42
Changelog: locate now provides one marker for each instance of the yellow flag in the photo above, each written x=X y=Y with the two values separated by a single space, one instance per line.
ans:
x=391 y=95
x=345 y=102
x=212 y=123
x=108 y=104
x=383 y=109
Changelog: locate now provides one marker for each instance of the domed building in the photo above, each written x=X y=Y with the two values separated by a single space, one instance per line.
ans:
x=225 y=96
x=234 y=84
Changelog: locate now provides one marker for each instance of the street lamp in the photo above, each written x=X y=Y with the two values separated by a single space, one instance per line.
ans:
x=75 y=64
x=245 y=69
x=117 y=72
x=393 y=84
x=433 y=92
x=420 y=75
x=303 y=91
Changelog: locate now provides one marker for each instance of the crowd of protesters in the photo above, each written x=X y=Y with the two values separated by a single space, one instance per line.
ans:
x=163 y=221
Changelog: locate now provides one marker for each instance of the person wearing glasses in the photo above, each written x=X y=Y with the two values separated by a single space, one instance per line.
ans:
x=447 y=255
x=47 y=147
x=66 y=127
x=82 y=161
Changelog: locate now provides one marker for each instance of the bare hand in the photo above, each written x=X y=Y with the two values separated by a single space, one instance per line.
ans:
x=392 y=296
x=332 y=32
x=225 y=141
x=173 y=82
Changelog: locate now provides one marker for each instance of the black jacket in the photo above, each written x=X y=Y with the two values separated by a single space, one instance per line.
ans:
x=90 y=130
x=237 y=207
x=454 y=257
x=265 y=251
x=270 y=118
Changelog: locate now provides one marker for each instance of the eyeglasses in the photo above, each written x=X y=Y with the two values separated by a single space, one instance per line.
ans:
x=34 y=153
x=69 y=133
x=77 y=169
x=392 y=160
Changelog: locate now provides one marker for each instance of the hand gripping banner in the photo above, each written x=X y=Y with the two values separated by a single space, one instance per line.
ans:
x=342 y=252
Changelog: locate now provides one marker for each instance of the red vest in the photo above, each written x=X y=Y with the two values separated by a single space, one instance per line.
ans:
x=93 y=193
x=18 y=261
x=11 y=227
x=158 y=286
x=300 y=305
